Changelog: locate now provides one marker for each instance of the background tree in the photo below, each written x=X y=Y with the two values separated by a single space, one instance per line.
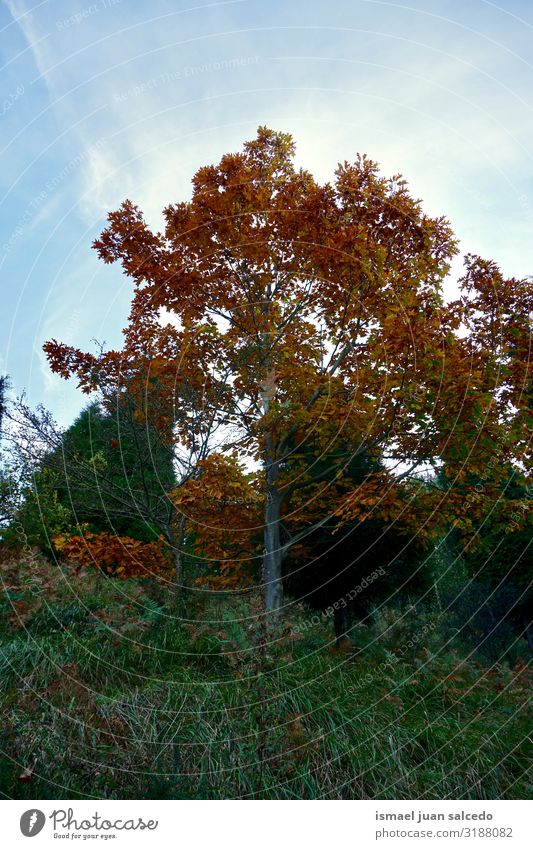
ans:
x=132 y=473
x=107 y=473
x=349 y=569
x=114 y=470
x=498 y=556
x=4 y=386
x=82 y=466
x=9 y=480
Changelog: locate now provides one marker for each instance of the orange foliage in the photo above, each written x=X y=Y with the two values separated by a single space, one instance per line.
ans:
x=122 y=557
x=315 y=311
x=223 y=510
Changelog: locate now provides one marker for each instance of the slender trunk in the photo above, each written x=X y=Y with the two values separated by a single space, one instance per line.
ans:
x=176 y=540
x=341 y=622
x=272 y=559
x=528 y=631
x=273 y=587
x=272 y=555
x=178 y=569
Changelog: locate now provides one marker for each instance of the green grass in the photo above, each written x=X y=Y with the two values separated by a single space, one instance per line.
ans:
x=106 y=693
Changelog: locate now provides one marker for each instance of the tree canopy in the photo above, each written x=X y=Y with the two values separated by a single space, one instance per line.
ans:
x=278 y=311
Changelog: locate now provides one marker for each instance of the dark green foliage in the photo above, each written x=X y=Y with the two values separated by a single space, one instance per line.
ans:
x=105 y=473
x=502 y=570
x=500 y=564
x=112 y=473
x=40 y=514
x=358 y=566
x=8 y=494
x=125 y=465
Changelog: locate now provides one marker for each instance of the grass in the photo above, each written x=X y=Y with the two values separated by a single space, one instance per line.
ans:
x=105 y=693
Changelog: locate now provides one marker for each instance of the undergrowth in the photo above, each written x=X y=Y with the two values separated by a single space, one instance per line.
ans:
x=108 y=692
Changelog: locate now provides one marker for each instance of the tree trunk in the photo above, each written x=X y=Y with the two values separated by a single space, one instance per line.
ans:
x=178 y=569
x=272 y=556
x=272 y=584
x=528 y=631
x=176 y=541
x=341 y=623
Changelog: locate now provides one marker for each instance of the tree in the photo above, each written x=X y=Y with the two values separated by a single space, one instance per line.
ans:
x=348 y=569
x=497 y=555
x=4 y=386
x=305 y=309
x=222 y=506
x=9 y=483
x=126 y=457
x=38 y=515
x=111 y=471
x=108 y=483
x=96 y=489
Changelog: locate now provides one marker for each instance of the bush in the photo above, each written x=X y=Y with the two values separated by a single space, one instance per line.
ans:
x=359 y=567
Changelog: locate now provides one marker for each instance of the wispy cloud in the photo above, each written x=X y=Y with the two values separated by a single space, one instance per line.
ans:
x=128 y=100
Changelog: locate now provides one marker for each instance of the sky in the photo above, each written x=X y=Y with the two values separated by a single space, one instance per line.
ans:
x=120 y=99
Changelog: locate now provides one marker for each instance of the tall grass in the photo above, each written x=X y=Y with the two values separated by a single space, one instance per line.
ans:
x=105 y=693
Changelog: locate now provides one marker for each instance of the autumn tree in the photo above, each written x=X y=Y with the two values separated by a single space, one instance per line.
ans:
x=222 y=504
x=302 y=311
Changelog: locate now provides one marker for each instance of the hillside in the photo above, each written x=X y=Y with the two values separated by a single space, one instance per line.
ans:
x=106 y=692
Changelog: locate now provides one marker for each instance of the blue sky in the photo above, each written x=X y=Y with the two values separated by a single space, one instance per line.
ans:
x=121 y=98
